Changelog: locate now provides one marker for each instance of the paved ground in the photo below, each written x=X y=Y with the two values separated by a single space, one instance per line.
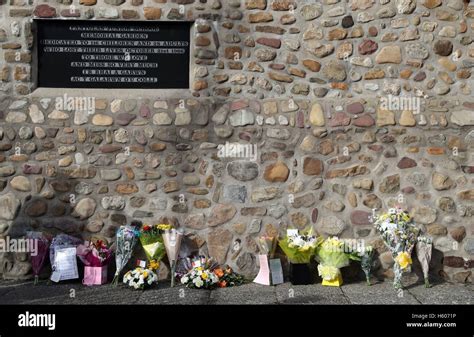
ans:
x=355 y=293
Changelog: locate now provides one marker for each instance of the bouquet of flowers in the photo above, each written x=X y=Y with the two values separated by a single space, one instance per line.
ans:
x=95 y=256
x=201 y=275
x=62 y=254
x=332 y=256
x=367 y=261
x=38 y=260
x=200 y=278
x=400 y=236
x=152 y=241
x=424 y=249
x=299 y=248
x=140 y=278
x=266 y=246
x=228 y=278
x=125 y=241
x=172 y=240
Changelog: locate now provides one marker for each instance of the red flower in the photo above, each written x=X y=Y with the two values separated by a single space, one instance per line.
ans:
x=146 y=228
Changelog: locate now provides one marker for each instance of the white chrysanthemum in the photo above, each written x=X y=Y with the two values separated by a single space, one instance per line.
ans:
x=198 y=282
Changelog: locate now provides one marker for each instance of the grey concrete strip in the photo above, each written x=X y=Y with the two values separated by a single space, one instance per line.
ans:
x=310 y=294
x=177 y=295
x=353 y=293
x=246 y=294
x=443 y=293
x=26 y=293
x=380 y=293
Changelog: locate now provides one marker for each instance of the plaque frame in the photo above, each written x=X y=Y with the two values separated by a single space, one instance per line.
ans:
x=37 y=90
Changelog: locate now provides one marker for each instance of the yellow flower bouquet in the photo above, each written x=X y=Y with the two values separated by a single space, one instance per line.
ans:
x=333 y=255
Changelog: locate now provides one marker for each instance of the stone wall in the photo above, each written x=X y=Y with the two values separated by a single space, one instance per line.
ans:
x=314 y=86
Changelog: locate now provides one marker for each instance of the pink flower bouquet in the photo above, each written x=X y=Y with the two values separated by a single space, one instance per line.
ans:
x=96 y=257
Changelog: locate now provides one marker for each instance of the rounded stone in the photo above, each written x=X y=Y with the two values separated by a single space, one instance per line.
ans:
x=21 y=183
x=277 y=172
x=243 y=170
x=85 y=208
x=443 y=47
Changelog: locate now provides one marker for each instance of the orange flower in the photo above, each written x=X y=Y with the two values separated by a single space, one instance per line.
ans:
x=222 y=284
x=219 y=272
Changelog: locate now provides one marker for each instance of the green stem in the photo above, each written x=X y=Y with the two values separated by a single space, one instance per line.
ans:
x=427 y=283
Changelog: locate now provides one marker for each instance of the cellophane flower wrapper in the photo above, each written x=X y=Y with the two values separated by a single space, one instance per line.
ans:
x=94 y=256
x=424 y=249
x=172 y=240
x=37 y=261
x=126 y=239
x=331 y=258
x=61 y=241
x=300 y=248
x=183 y=266
x=151 y=239
x=400 y=236
x=266 y=245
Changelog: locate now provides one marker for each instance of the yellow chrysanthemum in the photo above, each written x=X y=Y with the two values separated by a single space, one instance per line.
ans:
x=204 y=276
x=154 y=265
x=404 y=260
x=164 y=227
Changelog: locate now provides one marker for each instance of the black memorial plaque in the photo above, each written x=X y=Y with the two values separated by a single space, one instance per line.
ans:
x=113 y=54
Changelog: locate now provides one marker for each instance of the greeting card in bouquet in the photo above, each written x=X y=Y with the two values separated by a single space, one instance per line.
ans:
x=65 y=265
x=276 y=271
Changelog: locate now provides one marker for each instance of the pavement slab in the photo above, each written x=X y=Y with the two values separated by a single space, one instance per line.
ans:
x=287 y=294
x=379 y=293
x=178 y=295
x=309 y=294
x=246 y=294
x=444 y=293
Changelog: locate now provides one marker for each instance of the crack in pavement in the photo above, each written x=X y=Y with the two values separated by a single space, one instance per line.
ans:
x=345 y=296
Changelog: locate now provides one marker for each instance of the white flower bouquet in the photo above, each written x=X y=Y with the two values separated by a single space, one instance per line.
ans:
x=400 y=236
x=300 y=248
x=140 y=278
x=200 y=278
